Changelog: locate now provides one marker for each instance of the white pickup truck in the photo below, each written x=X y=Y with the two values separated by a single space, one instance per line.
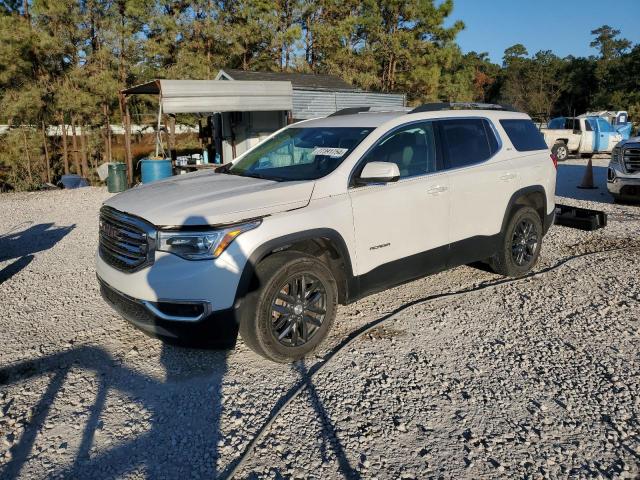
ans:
x=583 y=135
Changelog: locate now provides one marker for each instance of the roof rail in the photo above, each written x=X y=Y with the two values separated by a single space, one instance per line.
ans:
x=435 y=107
x=349 y=111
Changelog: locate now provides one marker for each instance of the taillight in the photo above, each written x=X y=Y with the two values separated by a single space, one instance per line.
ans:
x=554 y=159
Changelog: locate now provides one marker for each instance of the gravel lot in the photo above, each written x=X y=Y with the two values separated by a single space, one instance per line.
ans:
x=468 y=376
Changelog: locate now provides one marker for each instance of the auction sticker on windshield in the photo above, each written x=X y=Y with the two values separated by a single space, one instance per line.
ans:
x=329 y=151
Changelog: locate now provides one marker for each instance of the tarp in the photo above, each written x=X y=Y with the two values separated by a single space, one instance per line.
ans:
x=73 y=181
x=208 y=96
x=624 y=130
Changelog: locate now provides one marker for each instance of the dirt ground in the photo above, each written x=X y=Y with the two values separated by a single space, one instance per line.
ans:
x=463 y=374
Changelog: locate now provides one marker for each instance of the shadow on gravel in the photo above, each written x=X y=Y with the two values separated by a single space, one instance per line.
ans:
x=180 y=436
x=329 y=433
x=23 y=245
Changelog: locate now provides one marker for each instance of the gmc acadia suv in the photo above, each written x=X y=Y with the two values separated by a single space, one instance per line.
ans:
x=324 y=212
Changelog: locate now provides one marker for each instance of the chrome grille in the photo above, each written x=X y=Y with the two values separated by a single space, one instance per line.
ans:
x=631 y=159
x=126 y=243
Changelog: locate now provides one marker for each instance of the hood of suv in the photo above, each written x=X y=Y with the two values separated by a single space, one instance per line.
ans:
x=208 y=198
x=629 y=141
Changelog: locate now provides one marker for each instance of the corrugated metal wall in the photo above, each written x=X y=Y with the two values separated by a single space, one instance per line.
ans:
x=315 y=103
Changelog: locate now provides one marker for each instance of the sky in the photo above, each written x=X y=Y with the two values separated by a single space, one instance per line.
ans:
x=563 y=26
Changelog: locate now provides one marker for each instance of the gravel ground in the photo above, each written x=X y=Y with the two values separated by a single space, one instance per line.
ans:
x=469 y=376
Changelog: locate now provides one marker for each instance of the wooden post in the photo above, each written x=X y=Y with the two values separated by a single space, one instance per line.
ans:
x=46 y=152
x=28 y=154
x=109 y=143
x=159 y=146
x=65 y=150
x=83 y=153
x=128 y=141
x=106 y=135
x=126 y=124
x=233 y=140
x=74 y=142
x=172 y=137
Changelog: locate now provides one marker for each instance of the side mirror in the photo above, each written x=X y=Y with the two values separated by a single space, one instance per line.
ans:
x=378 y=172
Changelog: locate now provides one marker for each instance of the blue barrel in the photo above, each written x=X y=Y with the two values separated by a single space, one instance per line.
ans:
x=153 y=170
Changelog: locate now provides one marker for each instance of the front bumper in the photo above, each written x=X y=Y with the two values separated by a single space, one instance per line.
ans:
x=623 y=185
x=198 y=328
x=171 y=277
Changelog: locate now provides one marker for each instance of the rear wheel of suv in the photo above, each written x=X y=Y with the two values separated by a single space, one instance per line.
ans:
x=521 y=243
x=292 y=309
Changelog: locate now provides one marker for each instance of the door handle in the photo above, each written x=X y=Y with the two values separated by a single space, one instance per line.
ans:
x=436 y=190
x=508 y=176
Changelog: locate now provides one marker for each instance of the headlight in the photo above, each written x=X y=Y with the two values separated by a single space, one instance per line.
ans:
x=615 y=155
x=201 y=245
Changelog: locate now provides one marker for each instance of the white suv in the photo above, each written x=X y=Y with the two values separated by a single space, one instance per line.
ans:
x=323 y=212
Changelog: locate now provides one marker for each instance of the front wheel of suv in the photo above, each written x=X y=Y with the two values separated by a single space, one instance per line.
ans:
x=520 y=245
x=292 y=307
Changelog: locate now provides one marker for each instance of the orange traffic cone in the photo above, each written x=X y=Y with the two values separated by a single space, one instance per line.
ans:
x=587 y=179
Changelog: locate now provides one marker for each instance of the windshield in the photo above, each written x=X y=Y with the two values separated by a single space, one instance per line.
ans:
x=300 y=153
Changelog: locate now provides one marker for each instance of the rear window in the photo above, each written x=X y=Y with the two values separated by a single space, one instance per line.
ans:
x=524 y=135
x=557 y=123
x=572 y=124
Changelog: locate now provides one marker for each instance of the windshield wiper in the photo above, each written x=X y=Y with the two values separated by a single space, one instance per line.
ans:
x=253 y=175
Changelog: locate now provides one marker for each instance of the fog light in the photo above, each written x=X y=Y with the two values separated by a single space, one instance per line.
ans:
x=179 y=311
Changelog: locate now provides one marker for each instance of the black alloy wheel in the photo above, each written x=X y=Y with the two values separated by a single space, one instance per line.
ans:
x=298 y=310
x=290 y=307
x=520 y=243
x=524 y=242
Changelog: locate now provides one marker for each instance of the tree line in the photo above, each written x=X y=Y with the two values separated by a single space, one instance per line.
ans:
x=62 y=62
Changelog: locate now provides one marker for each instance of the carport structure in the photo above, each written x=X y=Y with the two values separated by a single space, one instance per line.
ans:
x=271 y=100
x=242 y=108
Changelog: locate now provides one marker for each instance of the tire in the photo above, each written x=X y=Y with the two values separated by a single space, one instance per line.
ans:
x=561 y=151
x=518 y=253
x=275 y=318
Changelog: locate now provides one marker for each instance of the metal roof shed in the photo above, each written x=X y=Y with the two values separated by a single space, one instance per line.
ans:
x=316 y=95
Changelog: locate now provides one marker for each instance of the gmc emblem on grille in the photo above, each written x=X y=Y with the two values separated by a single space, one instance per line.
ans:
x=109 y=230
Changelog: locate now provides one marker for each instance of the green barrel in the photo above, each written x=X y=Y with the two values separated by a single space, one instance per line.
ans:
x=117 y=180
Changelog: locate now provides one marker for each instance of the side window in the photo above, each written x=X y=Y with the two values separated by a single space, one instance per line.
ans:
x=466 y=141
x=587 y=126
x=412 y=148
